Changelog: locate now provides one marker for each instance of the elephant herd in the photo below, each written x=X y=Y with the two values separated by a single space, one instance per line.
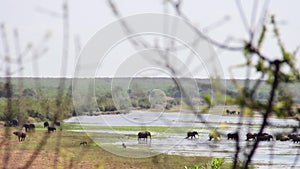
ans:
x=214 y=135
x=295 y=138
x=229 y=112
x=30 y=127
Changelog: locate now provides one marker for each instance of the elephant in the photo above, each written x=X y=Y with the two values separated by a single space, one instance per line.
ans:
x=144 y=135
x=46 y=124
x=233 y=136
x=51 y=129
x=12 y=123
x=293 y=135
x=21 y=135
x=295 y=138
x=28 y=127
x=84 y=143
x=192 y=134
x=281 y=137
x=214 y=135
x=278 y=136
x=264 y=137
x=251 y=136
x=284 y=138
x=57 y=123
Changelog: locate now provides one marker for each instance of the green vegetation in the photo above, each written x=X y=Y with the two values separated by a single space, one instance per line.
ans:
x=37 y=99
x=216 y=163
x=157 y=129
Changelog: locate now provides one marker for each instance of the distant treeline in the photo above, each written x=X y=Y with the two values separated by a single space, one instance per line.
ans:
x=44 y=98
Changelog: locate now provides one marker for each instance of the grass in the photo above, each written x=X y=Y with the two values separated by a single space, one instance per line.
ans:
x=157 y=129
x=61 y=149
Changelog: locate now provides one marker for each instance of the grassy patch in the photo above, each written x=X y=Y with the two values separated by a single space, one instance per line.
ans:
x=158 y=129
x=61 y=149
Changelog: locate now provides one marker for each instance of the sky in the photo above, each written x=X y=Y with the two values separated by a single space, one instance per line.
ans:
x=36 y=19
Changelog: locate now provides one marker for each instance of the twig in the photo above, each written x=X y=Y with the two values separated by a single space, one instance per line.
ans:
x=277 y=65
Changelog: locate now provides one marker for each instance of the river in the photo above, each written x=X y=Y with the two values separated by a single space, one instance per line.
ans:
x=273 y=154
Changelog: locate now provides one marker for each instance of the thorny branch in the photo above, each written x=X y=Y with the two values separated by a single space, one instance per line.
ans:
x=142 y=43
x=250 y=49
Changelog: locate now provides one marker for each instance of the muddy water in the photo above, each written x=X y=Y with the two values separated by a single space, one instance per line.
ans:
x=273 y=154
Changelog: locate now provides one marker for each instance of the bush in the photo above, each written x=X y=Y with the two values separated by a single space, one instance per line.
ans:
x=144 y=103
x=216 y=163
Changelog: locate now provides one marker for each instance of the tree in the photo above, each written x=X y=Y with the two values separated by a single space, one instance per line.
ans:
x=275 y=71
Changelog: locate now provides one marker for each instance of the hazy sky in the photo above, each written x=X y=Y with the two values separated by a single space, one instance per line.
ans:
x=36 y=18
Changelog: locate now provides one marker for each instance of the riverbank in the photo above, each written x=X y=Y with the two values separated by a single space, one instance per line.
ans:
x=62 y=149
x=217 y=110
